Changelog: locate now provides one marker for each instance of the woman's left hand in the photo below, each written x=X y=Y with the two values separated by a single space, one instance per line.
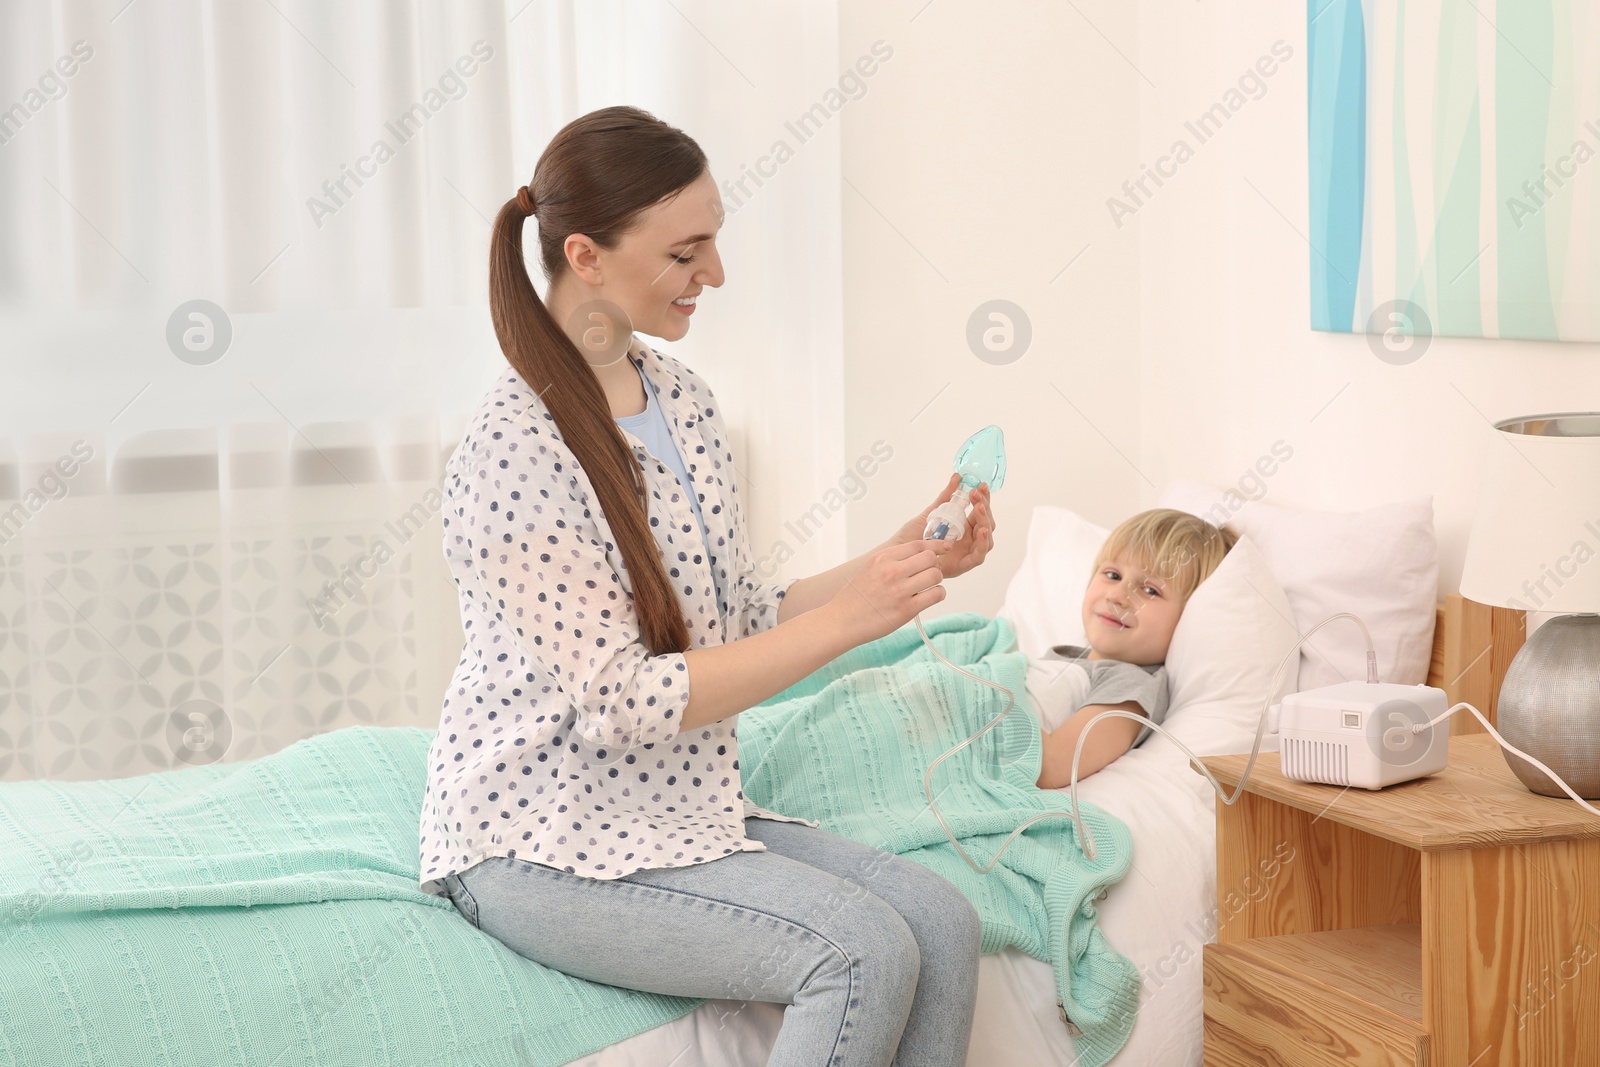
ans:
x=973 y=546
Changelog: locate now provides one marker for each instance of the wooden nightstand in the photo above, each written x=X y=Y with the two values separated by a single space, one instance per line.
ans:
x=1452 y=921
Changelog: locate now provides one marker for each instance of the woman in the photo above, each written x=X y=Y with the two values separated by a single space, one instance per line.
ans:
x=584 y=804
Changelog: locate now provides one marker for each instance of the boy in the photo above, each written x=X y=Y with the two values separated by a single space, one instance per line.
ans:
x=1143 y=576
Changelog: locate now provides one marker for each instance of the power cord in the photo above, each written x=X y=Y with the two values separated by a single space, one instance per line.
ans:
x=1508 y=746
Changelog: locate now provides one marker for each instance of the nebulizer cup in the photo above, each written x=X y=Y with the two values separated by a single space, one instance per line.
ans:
x=981 y=459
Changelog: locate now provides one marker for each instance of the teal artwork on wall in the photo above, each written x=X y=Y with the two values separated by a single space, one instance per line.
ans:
x=1454 y=150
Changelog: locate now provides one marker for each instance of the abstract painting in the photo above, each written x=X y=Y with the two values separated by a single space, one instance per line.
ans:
x=1455 y=167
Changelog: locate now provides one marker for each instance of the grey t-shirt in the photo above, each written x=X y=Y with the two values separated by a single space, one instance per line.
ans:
x=1112 y=681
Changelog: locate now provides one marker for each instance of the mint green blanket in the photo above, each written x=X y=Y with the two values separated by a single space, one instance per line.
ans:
x=266 y=913
x=848 y=746
x=269 y=913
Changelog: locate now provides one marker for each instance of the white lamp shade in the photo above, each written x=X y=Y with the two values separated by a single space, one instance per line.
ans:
x=1535 y=540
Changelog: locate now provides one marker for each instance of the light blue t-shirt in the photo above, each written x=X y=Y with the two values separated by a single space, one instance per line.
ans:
x=650 y=427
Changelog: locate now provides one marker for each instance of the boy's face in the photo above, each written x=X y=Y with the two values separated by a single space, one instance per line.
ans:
x=1130 y=612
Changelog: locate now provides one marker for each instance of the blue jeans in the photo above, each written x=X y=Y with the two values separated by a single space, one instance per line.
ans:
x=877 y=955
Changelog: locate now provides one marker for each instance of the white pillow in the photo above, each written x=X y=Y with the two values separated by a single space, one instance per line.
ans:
x=1234 y=630
x=1044 y=602
x=1381 y=564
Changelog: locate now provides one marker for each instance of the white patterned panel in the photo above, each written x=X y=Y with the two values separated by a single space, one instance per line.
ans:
x=146 y=631
x=16 y=669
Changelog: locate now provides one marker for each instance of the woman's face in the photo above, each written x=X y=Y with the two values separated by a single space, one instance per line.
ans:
x=670 y=256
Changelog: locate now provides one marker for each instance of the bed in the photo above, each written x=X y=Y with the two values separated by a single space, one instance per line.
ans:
x=1159 y=915
x=1017 y=1021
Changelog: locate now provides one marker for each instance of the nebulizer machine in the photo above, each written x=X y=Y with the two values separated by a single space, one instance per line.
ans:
x=1368 y=734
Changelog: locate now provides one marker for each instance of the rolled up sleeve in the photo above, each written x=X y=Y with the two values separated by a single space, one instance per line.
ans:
x=757 y=604
x=545 y=578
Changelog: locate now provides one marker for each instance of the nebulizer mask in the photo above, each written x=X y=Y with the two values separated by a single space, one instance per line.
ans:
x=982 y=459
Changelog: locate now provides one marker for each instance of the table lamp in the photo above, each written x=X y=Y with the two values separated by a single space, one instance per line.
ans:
x=1535 y=546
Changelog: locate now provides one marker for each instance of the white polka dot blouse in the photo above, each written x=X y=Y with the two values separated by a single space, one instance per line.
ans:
x=559 y=739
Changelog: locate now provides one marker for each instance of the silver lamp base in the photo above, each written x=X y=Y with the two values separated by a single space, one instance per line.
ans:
x=1550 y=706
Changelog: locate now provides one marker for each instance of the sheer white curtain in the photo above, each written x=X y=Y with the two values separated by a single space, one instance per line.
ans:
x=220 y=534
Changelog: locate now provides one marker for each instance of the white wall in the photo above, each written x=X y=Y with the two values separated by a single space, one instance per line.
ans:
x=1227 y=360
x=975 y=169
x=988 y=148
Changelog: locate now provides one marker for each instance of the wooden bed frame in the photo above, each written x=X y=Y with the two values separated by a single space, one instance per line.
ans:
x=1473 y=645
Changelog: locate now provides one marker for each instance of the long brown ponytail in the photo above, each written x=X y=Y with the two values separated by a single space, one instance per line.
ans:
x=597 y=175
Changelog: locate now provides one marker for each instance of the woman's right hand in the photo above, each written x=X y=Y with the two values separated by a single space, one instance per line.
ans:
x=895 y=584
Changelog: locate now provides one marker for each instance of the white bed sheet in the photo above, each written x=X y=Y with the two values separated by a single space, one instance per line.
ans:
x=1158 y=916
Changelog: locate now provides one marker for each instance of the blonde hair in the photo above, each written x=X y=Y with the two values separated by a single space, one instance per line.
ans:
x=1177 y=547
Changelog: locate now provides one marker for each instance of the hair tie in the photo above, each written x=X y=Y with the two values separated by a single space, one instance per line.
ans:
x=525 y=200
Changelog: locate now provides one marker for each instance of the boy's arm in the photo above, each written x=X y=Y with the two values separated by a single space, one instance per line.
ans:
x=1108 y=740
